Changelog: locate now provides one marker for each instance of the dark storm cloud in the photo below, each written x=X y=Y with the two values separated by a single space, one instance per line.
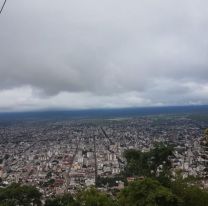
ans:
x=153 y=50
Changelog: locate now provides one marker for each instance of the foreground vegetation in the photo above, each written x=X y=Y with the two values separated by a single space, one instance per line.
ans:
x=153 y=186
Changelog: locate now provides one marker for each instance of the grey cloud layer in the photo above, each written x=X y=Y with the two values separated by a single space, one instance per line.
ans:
x=157 y=49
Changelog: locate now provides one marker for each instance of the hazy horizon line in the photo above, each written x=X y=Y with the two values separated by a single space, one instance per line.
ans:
x=101 y=108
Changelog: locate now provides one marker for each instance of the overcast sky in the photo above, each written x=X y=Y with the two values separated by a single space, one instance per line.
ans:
x=74 y=54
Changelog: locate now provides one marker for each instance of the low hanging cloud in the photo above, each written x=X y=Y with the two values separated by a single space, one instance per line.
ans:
x=88 y=54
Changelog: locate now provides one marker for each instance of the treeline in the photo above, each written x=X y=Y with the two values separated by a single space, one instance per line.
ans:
x=153 y=185
x=146 y=192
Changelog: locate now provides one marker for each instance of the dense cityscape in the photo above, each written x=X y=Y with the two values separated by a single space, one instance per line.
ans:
x=59 y=156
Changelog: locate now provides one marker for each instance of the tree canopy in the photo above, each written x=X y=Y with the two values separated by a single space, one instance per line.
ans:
x=92 y=197
x=21 y=195
x=64 y=200
x=148 y=163
x=147 y=192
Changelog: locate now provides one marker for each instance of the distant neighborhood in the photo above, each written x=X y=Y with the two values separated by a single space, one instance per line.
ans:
x=66 y=155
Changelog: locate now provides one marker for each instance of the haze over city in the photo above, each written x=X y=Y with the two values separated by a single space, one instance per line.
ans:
x=102 y=54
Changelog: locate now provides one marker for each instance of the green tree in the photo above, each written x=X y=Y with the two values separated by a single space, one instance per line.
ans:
x=16 y=194
x=147 y=163
x=195 y=196
x=64 y=200
x=92 y=197
x=147 y=192
x=136 y=164
x=190 y=195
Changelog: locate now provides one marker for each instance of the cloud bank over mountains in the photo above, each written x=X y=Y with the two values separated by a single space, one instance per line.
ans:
x=97 y=54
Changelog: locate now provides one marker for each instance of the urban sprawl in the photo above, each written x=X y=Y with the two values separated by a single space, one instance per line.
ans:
x=64 y=155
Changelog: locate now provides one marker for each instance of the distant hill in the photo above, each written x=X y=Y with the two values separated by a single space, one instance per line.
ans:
x=104 y=113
